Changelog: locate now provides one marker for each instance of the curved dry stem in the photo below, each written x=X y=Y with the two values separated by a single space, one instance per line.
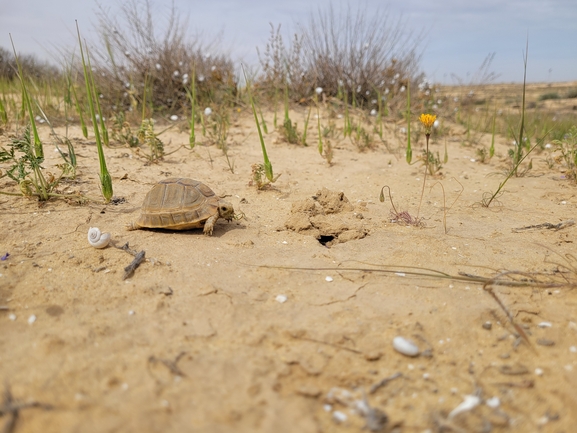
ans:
x=445 y=208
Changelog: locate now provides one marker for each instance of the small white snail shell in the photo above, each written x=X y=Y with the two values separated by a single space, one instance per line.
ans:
x=98 y=239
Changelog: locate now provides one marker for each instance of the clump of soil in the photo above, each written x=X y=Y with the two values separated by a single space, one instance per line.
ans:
x=329 y=217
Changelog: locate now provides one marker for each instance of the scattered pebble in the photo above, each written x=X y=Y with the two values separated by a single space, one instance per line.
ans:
x=539 y=371
x=493 y=402
x=487 y=325
x=545 y=325
x=339 y=416
x=327 y=407
x=405 y=346
x=12 y=316
x=545 y=342
x=131 y=313
x=469 y=403
x=281 y=298
x=400 y=274
x=31 y=319
x=329 y=278
x=572 y=349
x=174 y=117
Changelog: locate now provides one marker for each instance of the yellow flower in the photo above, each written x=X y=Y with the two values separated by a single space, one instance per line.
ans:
x=428 y=120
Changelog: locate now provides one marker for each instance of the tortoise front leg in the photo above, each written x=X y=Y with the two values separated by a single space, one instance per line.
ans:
x=209 y=224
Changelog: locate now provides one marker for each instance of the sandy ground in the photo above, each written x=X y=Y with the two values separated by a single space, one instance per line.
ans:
x=199 y=340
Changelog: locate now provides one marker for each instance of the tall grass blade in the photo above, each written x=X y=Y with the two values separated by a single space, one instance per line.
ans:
x=105 y=179
x=267 y=165
x=38 y=149
x=409 y=152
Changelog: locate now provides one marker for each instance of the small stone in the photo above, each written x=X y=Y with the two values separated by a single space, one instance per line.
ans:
x=572 y=349
x=405 y=346
x=493 y=402
x=329 y=279
x=539 y=371
x=339 y=416
x=131 y=313
x=31 y=319
x=281 y=299
x=12 y=316
x=309 y=390
x=487 y=325
x=373 y=355
x=545 y=342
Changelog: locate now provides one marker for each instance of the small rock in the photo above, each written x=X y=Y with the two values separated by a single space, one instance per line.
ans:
x=339 y=416
x=31 y=319
x=329 y=279
x=309 y=390
x=373 y=355
x=487 y=325
x=545 y=342
x=405 y=346
x=281 y=299
x=493 y=402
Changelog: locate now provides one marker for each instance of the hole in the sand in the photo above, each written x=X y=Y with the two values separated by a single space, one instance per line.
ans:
x=324 y=240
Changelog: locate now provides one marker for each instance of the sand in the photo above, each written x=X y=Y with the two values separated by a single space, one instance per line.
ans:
x=224 y=333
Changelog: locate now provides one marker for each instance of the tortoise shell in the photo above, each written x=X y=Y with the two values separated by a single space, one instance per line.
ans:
x=182 y=204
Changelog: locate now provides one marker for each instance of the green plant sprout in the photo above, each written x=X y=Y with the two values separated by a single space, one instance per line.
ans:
x=267 y=166
x=568 y=148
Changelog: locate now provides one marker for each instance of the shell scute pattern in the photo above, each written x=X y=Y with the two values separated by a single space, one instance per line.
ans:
x=182 y=204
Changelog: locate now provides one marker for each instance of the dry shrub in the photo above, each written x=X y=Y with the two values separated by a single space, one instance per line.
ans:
x=358 y=52
x=32 y=67
x=135 y=57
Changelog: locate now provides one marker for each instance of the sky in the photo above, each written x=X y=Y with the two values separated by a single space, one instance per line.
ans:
x=458 y=34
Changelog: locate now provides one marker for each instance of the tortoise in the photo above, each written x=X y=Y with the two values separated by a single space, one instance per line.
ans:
x=182 y=204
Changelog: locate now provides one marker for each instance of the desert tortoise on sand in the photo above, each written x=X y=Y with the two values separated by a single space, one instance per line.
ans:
x=182 y=204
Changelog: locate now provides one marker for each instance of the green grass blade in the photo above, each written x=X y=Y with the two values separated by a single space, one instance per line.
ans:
x=409 y=153
x=105 y=179
x=267 y=165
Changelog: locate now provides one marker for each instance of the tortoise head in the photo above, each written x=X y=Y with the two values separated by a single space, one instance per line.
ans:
x=225 y=210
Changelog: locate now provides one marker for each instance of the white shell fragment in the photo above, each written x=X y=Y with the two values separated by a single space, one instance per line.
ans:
x=281 y=298
x=545 y=325
x=98 y=239
x=493 y=402
x=32 y=319
x=329 y=278
x=339 y=416
x=405 y=346
x=470 y=402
